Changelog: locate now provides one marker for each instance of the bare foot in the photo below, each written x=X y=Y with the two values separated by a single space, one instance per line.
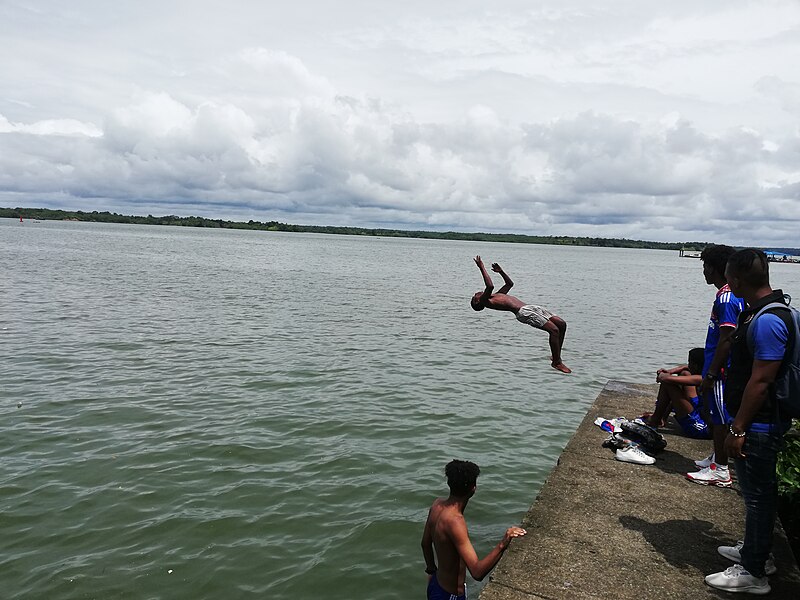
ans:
x=561 y=367
x=648 y=419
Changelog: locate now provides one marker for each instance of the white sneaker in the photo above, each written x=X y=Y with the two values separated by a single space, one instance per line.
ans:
x=737 y=579
x=706 y=462
x=734 y=553
x=632 y=454
x=712 y=475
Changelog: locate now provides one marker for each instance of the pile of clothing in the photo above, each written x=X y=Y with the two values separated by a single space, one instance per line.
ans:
x=632 y=441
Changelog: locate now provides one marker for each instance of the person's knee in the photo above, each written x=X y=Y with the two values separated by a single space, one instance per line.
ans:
x=550 y=328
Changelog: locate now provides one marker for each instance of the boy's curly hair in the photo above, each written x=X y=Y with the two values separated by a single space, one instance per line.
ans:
x=461 y=476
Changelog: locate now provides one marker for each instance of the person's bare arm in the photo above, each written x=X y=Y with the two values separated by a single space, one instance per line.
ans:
x=755 y=393
x=720 y=358
x=480 y=568
x=672 y=371
x=427 y=546
x=665 y=377
x=487 y=280
x=507 y=283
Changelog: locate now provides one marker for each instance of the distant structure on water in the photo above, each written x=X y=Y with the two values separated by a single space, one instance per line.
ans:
x=778 y=256
x=772 y=255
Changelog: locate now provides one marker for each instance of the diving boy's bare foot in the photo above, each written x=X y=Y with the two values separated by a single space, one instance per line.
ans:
x=561 y=367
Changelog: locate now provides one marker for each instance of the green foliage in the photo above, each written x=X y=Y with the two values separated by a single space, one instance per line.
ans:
x=106 y=217
x=789 y=464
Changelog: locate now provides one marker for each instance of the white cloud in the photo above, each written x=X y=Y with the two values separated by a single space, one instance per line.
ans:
x=51 y=127
x=619 y=119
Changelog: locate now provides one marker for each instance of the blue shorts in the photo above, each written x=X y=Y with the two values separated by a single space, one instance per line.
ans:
x=716 y=404
x=436 y=592
x=693 y=424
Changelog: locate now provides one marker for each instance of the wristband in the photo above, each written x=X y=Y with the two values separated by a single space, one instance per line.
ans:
x=431 y=571
x=712 y=377
x=734 y=434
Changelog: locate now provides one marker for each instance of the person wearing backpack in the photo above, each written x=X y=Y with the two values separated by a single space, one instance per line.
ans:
x=755 y=435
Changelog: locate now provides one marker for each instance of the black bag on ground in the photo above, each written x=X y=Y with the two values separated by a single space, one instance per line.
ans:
x=644 y=435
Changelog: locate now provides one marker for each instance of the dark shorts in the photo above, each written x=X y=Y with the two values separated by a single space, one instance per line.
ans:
x=435 y=591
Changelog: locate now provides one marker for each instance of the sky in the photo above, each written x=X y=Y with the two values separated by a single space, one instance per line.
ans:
x=664 y=121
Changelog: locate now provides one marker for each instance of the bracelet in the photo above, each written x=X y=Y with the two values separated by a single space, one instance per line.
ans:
x=431 y=571
x=734 y=434
x=712 y=377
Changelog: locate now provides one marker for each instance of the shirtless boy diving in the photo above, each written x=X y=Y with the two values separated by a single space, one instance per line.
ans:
x=535 y=316
x=446 y=532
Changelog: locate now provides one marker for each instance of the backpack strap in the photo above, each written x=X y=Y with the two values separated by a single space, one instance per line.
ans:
x=751 y=333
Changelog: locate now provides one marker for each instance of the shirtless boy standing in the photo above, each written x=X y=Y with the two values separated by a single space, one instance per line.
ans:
x=535 y=316
x=446 y=532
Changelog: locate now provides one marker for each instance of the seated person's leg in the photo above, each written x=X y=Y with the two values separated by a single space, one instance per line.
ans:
x=693 y=424
x=663 y=406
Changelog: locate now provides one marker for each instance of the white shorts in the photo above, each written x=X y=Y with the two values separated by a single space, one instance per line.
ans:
x=535 y=316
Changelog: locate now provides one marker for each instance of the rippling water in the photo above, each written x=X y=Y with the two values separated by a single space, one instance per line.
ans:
x=190 y=413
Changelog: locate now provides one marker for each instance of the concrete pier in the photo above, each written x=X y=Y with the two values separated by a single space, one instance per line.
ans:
x=601 y=528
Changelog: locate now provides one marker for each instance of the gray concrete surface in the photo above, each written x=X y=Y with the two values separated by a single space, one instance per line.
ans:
x=601 y=528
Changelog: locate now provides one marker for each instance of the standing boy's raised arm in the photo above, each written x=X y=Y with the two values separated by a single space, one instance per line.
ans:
x=479 y=568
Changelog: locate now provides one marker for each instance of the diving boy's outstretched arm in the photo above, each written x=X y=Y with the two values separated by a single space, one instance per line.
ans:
x=487 y=280
x=508 y=284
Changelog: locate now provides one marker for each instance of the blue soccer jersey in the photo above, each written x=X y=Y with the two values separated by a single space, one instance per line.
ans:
x=770 y=337
x=724 y=313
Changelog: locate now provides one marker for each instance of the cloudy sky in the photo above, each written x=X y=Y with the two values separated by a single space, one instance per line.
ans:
x=671 y=121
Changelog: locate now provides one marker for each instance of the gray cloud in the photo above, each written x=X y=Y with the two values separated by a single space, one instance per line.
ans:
x=601 y=120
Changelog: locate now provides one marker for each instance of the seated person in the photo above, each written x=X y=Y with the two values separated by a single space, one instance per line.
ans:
x=678 y=393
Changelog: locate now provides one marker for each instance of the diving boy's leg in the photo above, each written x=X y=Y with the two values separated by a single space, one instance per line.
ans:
x=556 y=337
x=562 y=329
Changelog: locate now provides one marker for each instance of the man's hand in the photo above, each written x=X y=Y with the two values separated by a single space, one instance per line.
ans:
x=478 y=261
x=511 y=532
x=497 y=268
x=706 y=386
x=734 y=445
x=663 y=376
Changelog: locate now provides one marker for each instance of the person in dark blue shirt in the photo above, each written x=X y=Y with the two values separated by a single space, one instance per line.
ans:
x=755 y=436
x=724 y=312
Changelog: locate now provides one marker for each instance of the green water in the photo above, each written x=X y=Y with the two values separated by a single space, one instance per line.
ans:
x=191 y=413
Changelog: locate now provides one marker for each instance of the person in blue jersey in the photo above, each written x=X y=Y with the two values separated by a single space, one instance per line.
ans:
x=678 y=392
x=755 y=435
x=446 y=533
x=530 y=314
x=721 y=325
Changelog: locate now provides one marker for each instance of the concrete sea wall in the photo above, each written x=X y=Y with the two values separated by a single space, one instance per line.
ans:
x=601 y=528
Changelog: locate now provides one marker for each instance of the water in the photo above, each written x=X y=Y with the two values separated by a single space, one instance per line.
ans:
x=191 y=413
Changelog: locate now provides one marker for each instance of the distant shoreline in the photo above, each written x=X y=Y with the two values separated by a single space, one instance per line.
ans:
x=107 y=217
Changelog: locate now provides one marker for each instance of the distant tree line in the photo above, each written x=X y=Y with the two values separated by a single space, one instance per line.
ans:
x=563 y=240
